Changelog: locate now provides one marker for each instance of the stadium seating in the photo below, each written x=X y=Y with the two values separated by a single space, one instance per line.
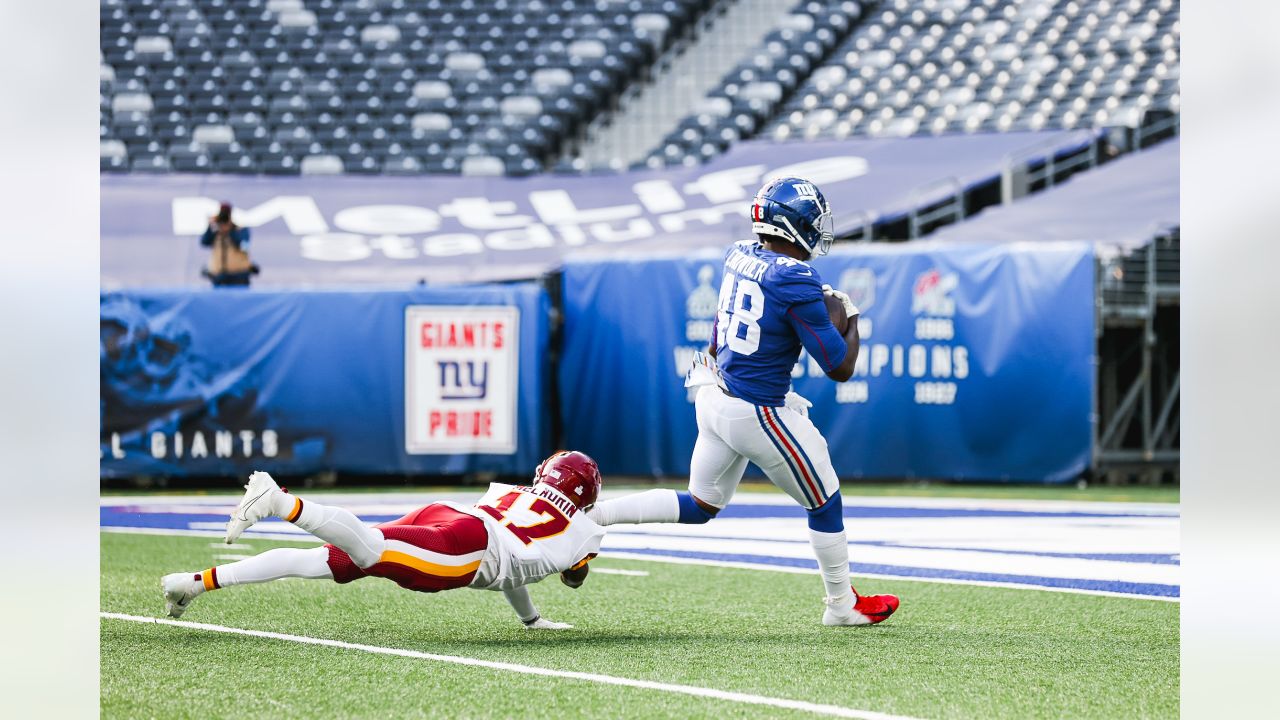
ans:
x=497 y=86
x=364 y=86
x=944 y=66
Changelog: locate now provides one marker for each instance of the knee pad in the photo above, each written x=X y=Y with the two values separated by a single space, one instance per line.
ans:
x=691 y=513
x=829 y=517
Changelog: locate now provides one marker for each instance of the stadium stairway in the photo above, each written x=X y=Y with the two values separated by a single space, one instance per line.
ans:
x=678 y=87
x=753 y=91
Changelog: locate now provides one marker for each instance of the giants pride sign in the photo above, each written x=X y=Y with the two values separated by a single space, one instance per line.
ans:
x=460 y=379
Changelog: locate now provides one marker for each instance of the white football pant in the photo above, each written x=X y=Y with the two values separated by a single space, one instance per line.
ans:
x=780 y=441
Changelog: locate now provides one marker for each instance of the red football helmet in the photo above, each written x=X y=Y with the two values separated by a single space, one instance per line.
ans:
x=575 y=475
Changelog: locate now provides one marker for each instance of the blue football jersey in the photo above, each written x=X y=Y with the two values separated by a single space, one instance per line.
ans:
x=770 y=306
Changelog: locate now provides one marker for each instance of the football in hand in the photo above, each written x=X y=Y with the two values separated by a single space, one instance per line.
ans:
x=835 y=309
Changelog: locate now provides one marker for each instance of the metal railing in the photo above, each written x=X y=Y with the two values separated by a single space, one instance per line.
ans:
x=1140 y=426
x=1043 y=165
x=940 y=202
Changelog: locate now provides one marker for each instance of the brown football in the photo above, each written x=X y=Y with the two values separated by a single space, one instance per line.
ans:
x=835 y=309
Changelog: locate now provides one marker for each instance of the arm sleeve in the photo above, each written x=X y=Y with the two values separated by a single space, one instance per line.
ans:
x=819 y=337
x=522 y=603
x=241 y=235
x=207 y=238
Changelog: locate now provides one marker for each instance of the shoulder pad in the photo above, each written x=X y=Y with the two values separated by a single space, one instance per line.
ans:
x=791 y=266
x=796 y=281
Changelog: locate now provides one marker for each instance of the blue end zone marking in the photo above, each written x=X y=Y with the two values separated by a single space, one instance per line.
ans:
x=118 y=517
x=1149 y=589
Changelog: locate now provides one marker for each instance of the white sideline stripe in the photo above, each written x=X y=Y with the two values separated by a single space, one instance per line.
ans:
x=249 y=535
x=221 y=528
x=620 y=571
x=878 y=576
x=832 y=710
x=232 y=546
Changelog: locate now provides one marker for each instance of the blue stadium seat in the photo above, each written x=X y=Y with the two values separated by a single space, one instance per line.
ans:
x=365 y=64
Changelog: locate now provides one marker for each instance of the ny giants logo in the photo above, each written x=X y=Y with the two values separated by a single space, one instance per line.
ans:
x=806 y=190
x=463 y=380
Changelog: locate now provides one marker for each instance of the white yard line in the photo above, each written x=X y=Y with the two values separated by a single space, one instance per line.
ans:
x=231 y=557
x=745 y=698
x=294 y=537
x=620 y=571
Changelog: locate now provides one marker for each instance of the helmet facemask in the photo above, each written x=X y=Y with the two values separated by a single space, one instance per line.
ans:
x=826 y=235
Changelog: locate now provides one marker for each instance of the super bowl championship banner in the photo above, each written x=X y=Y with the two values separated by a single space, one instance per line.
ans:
x=315 y=231
x=432 y=381
x=976 y=361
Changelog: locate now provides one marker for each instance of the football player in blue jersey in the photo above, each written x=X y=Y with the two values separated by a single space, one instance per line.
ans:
x=771 y=304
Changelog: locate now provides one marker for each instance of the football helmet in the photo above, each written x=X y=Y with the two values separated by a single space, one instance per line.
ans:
x=573 y=474
x=794 y=209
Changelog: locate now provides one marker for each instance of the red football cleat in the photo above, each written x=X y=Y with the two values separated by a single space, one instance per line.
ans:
x=877 y=608
x=867 y=610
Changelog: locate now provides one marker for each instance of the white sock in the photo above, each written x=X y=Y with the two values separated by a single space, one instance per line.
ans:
x=646 y=507
x=336 y=526
x=832 y=552
x=310 y=563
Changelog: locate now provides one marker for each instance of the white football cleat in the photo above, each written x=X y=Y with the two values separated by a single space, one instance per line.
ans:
x=179 y=590
x=542 y=623
x=255 y=505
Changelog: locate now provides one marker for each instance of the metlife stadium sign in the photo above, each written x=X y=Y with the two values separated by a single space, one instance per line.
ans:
x=310 y=231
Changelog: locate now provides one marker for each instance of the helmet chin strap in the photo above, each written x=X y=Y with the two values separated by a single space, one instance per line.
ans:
x=760 y=228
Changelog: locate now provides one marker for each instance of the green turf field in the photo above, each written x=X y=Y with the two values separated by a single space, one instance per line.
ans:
x=951 y=651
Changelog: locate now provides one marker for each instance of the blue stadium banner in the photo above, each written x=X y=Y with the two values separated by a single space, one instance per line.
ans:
x=977 y=361
x=310 y=231
x=432 y=381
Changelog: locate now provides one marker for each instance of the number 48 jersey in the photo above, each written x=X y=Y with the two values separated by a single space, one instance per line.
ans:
x=770 y=305
x=533 y=532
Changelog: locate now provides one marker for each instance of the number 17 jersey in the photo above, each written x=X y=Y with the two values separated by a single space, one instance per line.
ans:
x=770 y=306
x=533 y=532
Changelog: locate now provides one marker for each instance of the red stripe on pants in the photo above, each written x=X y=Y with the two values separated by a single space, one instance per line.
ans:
x=804 y=470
